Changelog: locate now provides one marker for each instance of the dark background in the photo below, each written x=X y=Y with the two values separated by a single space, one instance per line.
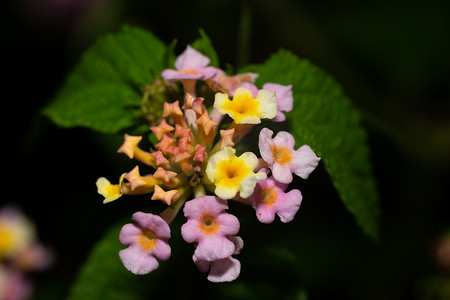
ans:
x=392 y=59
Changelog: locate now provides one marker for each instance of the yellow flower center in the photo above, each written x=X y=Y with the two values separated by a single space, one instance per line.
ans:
x=6 y=239
x=208 y=225
x=189 y=71
x=147 y=240
x=242 y=106
x=231 y=172
x=112 y=190
x=281 y=155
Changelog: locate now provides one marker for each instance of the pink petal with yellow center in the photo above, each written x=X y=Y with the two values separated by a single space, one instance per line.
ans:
x=154 y=223
x=284 y=138
x=147 y=238
x=269 y=199
x=209 y=225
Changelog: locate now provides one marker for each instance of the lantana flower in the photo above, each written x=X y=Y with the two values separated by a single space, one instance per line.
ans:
x=108 y=190
x=20 y=253
x=14 y=285
x=269 y=199
x=283 y=93
x=147 y=240
x=190 y=66
x=232 y=174
x=281 y=157
x=16 y=232
x=209 y=225
x=225 y=269
x=194 y=157
x=246 y=109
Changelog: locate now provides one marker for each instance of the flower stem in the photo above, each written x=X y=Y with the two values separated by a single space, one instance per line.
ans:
x=199 y=190
x=171 y=212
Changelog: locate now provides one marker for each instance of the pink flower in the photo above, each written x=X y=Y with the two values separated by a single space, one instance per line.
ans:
x=13 y=285
x=209 y=225
x=281 y=157
x=284 y=96
x=191 y=64
x=147 y=239
x=225 y=269
x=269 y=199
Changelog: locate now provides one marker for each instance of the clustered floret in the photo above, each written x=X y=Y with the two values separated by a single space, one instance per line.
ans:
x=195 y=157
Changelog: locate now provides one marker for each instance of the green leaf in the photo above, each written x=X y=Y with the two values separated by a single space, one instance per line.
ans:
x=324 y=118
x=104 y=90
x=204 y=45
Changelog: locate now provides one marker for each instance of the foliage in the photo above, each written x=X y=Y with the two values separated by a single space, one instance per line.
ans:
x=103 y=91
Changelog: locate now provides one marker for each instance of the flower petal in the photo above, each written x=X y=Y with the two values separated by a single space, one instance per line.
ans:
x=285 y=99
x=191 y=59
x=247 y=185
x=196 y=208
x=202 y=265
x=284 y=138
x=190 y=232
x=238 y=244
x=249 y=159
x=138 y=261
x=282 y=173
x=265 y=213
x=214 y=248
x=152 y=222
x=224 y=270
x=225 y=192
x=162 y=250
x=304 y=161
x=288 y=205
x=268 y=106
x=229 y=224
x=264 y=144
x=129 y=234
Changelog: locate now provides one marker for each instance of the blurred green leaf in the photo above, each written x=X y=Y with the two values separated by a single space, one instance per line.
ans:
x=204 y=45
x=104 y=90
x=324 y=118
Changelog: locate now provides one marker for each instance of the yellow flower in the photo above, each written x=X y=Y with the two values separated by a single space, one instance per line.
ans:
x=232 y=174
x=16 y=232
x=244 y=109
x=110 y=191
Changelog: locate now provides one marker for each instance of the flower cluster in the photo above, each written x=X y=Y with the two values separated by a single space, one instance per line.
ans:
x=195 y=158
x=20 y=252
